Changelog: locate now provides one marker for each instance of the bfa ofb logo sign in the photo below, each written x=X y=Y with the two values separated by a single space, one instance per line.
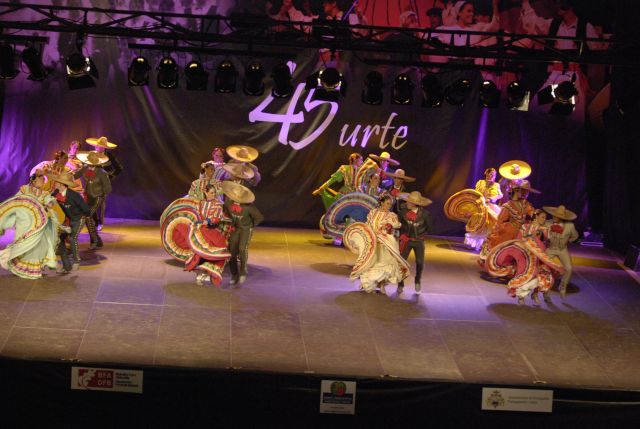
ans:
x=387 y=134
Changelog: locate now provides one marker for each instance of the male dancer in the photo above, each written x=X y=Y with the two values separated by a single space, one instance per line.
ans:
x=561 y=232
x=75 y=210
x=416 y=224
x=245 y=217
x=97 y=186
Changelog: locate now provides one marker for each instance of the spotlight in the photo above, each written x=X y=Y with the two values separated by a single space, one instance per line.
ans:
x=330 y=79
x=37 y=71
x=372 y=92
x=139 y=72
x=458 y=92
x=562 y=96
x=328 y=84
x=489 y=95
x=225 y=77
x=80 y=71
x=253 y=79
x=432 y=92
x=517 y=97
x=282 y=86
x=402 y=91
x=7 y=62
x=196 y=76
x=167 y=73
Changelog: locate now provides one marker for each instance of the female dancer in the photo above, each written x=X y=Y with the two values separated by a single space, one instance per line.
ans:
x=388 y=265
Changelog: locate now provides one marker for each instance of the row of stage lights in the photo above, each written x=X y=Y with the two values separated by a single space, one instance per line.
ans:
x=329 y=82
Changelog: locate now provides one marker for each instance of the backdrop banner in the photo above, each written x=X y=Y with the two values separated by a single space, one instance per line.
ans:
x=164 y=135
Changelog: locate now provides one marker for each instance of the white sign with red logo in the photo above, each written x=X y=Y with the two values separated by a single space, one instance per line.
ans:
x=106 y=379
x=338 y=397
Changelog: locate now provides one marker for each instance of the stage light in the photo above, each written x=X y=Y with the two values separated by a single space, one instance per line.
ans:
x=489 y=95
x=253 y=79
x=372 y=92
x=517 y=97
x=80 y=71
x=562 y=95
x=167 y=73
x=139 y=72
x=7 y=62
x=432 y=92
x=225 y=81
x=37 y=71
x=196 y=76
x=564 y=92
x=402 y=91
x=330 y=79
x=282 y=87
x=458 y=92
x=328 y=84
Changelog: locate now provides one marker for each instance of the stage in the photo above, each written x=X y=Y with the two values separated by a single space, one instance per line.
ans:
x=130 y=304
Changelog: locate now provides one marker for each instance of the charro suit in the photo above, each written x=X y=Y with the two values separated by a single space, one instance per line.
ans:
x=560 y=234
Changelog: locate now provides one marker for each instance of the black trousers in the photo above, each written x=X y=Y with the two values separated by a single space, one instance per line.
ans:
x=239 y=249
x=418 y=252
x=94 y=205
x=67 y=262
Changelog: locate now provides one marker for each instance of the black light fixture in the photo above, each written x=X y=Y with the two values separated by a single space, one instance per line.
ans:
x=37 y=71
x=7 y=62
x=282 y=86
x=253 y=83
x=167 y=73
x=226 y=74
x=561 y=95
x=196 y=76
x=457 y=93
x=517 y=96
x=328 y=84
x=138 y=74
x=432 y=92
x=489 y=96
x=372 y=92
x=402 y=91
x=81 y=71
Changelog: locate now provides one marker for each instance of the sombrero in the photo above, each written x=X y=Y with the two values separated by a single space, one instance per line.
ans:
x=385 y=156
x=415 y=197
x=515 y=170
x=239 y=170
x=92 y=157
x=237 y=192
x=242 y=153
x=102 y=142
x=64 y=178
x=560 y=212
x=399 y=174
x=524 y=184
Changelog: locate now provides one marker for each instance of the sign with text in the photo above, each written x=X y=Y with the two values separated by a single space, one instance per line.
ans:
x=106 y=379
x=338 y=397
x=531 y=400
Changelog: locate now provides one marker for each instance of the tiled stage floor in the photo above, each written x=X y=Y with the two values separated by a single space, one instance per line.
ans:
x=129 y=303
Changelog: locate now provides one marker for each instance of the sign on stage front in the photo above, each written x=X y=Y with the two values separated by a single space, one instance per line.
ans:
x=106 y=379
x=338 y=397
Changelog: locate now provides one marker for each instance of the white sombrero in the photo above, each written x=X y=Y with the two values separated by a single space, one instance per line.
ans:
x=240 y=171
x=242 y=153
x=101 y=142
x=385 y=156
x=560 y=212
x=92 y=157
x=238 y=193
x=415 y=197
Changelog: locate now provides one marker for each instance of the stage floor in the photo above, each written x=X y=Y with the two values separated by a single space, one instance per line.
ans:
x=298 y=312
